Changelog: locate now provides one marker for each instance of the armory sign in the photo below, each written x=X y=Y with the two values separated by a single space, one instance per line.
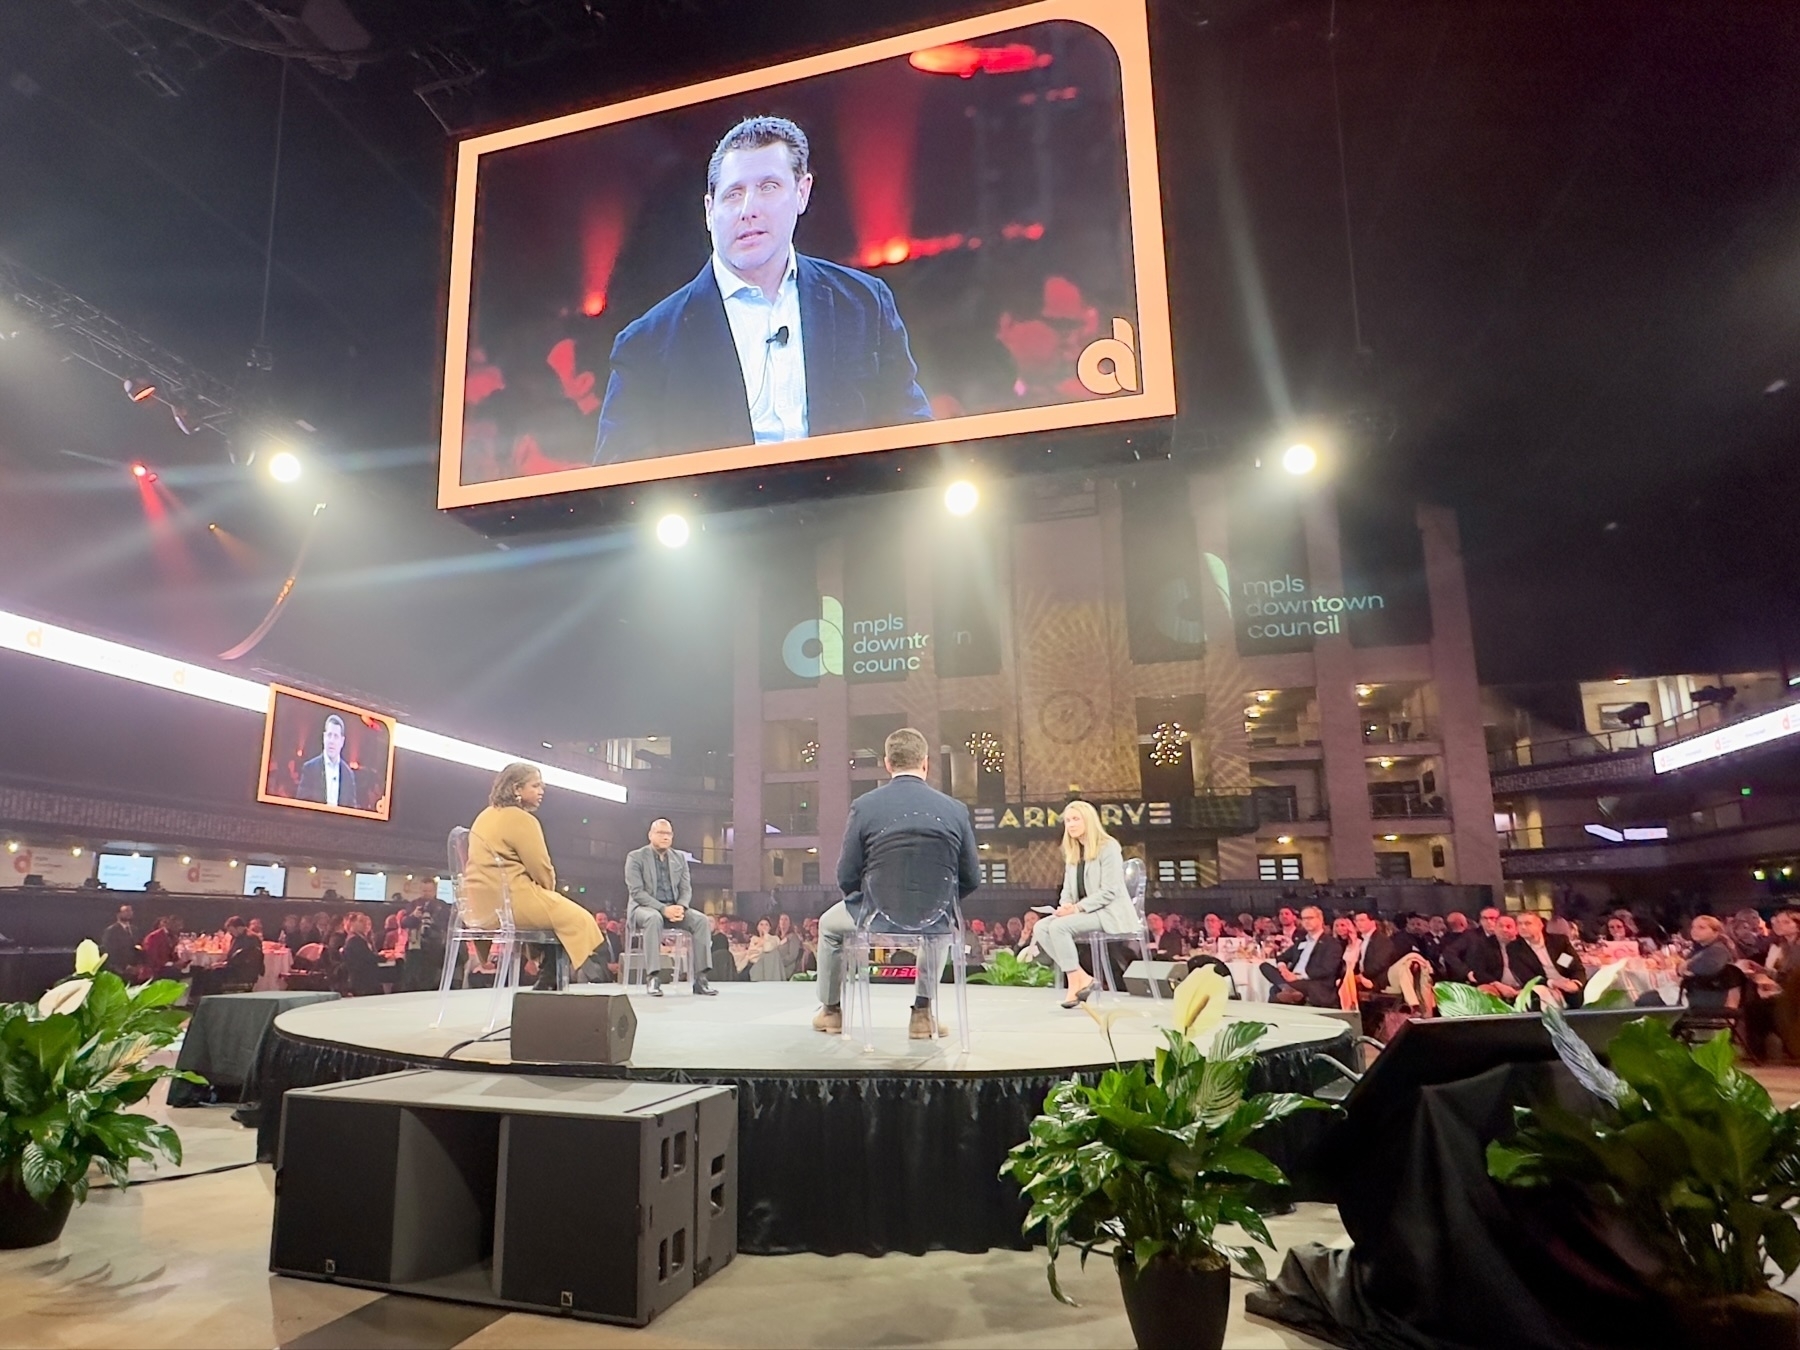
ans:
x=1030 y=819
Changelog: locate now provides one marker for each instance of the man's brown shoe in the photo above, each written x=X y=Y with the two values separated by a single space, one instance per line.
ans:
x=918 y=1027
x=829 y=1020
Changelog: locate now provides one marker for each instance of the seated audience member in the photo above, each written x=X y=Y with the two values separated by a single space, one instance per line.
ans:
x=1376 y=952
x=1709 y=975
x=1749 y=935
x=1518 y=963
x=1262 y=929
x=793 y=946
x=162 y=956
x=1775 y=980
x=1244 y=923
x=1556 y=957
x=255 y=929
x=360 y=972
x=1287 y=924
x=244 y=959
x=1309 y=970
x=1174 y=944
x=391 y=939
x=1015 y=930
x=289 y=933
x=765 y=953
x=119 y=943
x=334 y=942
x=1156 y=925
x=1027 y=932
x=1213 y=927
x=1472 y=954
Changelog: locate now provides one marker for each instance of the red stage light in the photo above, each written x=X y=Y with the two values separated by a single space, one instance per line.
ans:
x=595 y=304
x=966 y=60
x=143 y=473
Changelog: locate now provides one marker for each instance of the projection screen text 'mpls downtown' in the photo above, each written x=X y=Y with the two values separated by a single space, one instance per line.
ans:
x=945 y=236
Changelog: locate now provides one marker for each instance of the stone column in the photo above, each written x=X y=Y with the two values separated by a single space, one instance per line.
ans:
x=1469 y=791
x=747 y=740
x=1228 y=743
x=834 y=728
x=1340 y=720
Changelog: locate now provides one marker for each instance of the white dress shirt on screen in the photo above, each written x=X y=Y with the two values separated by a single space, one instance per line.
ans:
x=331 y=781
x=773 y=367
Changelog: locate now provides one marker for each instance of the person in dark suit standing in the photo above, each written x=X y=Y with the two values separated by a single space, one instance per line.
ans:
x=325 y=777
x=908 y=843
x=1308 y=971
x=765 y=344
x=119 y=940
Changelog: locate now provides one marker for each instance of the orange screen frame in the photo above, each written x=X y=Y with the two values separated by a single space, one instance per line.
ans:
x=1123 y=23
x=262 y=779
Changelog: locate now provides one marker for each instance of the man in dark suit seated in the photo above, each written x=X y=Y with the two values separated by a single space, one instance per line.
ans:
x=1308 y=971
x=905 y=846
x=1376 y=952
x=659 y=891
x=1556 y=957
x=325 y=777
x=1469 y=954
x=765 y=344
x=244 y=958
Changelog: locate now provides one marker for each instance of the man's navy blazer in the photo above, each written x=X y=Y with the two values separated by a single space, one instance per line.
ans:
x=676 y=385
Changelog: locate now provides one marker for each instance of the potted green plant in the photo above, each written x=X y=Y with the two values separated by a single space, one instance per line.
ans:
x=1687 y=1157
x=1005 y=968
x=70 y=1066
x=1146 y=1165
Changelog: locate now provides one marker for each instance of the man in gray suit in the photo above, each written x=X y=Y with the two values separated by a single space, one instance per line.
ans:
x=661 y=892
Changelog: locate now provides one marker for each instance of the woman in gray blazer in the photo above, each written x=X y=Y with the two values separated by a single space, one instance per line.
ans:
x=1094 y=898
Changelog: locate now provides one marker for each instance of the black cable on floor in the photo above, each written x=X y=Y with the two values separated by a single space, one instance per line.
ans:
x=180 y=1176
x=498 y=1033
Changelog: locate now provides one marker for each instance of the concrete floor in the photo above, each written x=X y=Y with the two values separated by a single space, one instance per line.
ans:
x=184 y=1263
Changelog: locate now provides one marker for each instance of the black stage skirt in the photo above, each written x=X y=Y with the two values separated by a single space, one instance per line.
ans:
x=868 y=1163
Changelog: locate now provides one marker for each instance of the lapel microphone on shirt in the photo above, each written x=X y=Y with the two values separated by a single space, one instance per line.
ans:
x=779 y=337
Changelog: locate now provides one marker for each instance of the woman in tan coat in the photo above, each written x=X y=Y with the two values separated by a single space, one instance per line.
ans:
x=507 y=841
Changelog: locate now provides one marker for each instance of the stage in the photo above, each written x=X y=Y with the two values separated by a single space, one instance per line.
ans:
x=840 y=1150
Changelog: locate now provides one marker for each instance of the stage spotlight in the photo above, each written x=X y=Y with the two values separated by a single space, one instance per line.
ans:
x=1712 y=693
x=672 y=530
x=139 y=391
x=961 y=497
x=1299 y=458
x=141 y=471
x=284 y=467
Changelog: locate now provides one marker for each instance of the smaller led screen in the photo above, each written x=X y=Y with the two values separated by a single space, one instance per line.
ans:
x=371 y=886
x=124 y=871
x=271 y=877
x=326 y=756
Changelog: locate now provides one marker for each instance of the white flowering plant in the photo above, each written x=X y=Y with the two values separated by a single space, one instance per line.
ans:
x=70 y=1066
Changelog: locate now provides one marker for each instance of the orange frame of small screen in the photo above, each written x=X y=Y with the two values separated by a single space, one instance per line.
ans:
x=1123 y=23
x=262 y=779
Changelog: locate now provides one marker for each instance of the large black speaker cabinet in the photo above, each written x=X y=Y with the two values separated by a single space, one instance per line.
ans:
x=1167 y=975
x=572 y=1027
x=600 y=1199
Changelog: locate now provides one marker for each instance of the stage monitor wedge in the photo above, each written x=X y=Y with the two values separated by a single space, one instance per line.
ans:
x=948 y=236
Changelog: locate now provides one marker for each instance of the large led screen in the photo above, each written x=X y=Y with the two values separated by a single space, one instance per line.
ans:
x=326 y=756
x=940 y=237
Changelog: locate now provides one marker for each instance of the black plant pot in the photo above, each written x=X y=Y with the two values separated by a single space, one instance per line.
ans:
x=25 y=1222
x=1174 y=1306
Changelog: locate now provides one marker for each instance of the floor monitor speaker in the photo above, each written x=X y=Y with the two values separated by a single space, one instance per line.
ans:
x=572 y=1027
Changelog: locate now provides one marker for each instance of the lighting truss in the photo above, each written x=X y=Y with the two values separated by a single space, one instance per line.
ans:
x=88 y=333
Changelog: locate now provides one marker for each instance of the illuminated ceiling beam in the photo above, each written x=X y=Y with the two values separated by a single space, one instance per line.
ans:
x=33 y=638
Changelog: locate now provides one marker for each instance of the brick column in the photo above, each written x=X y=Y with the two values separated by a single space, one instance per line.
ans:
x=1469 y=790
x=747 y=740
x=834 y=729
x=1340 y=721
x=1228 y=743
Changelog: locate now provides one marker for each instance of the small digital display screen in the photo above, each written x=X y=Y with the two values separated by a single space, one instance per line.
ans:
x=124 y=871
x=323 y=755
x=270 y=877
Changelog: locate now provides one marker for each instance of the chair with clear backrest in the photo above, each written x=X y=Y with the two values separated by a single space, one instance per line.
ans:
x=924 y=867
x=1100 y=942
x=636 y=957
x=506 y=940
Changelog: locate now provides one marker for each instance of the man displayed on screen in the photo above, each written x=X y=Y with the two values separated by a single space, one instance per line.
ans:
x=325 y=777
x=765 y=344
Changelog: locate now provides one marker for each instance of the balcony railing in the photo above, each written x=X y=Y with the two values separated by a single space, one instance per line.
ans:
x=1619 y=741
x=1401 y=808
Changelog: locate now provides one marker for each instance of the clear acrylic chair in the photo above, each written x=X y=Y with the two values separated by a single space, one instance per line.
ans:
x=681 y=955
x=931 y=940
x=506 y=940
x=1100 y=942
